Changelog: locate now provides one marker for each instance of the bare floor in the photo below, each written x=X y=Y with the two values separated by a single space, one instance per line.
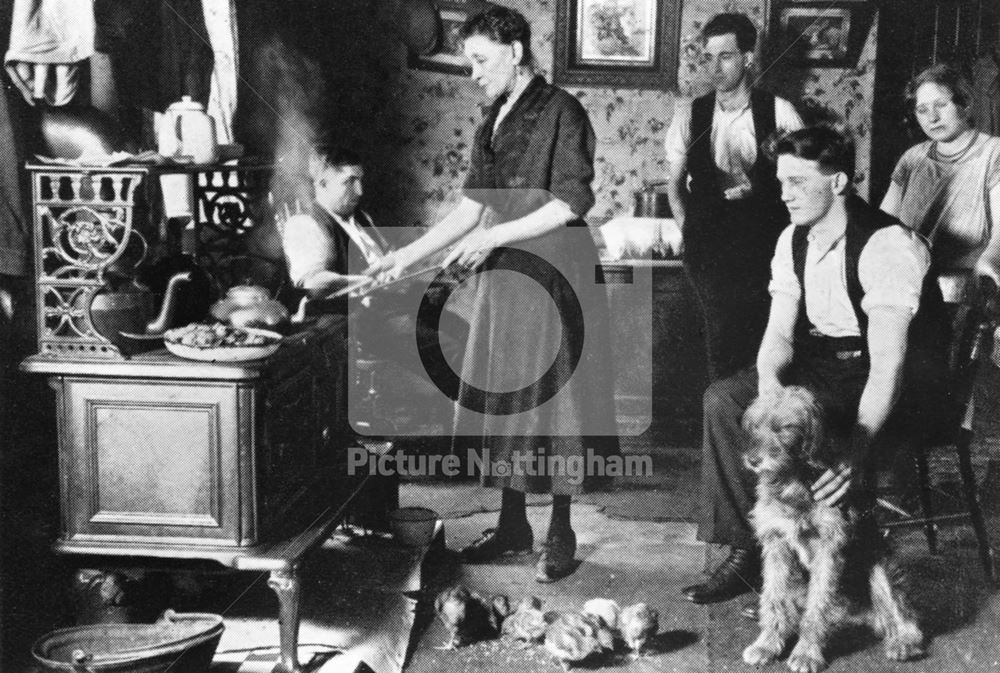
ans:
x=632 y=554
x=633 y=561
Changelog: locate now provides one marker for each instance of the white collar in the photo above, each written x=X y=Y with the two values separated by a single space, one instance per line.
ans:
x=741 y=103
x=370 y=249
x=822 y=241
x=340 y=219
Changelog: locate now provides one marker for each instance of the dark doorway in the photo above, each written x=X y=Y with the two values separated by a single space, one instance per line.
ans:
x=912 y=35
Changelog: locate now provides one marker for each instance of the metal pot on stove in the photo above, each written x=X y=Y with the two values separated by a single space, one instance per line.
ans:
x=653 y=201
x=250 y=306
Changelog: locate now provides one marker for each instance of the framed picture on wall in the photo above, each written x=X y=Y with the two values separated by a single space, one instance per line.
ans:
x=447 y=57
x=819 y=34
x=617 y=43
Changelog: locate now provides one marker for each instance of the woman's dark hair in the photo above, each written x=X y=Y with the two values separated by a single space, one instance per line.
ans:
x=735 y=24
x=503 y=25
x=833 y=150
x=946 y=76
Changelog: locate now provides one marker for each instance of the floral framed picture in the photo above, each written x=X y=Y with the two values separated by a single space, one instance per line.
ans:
x=618 y=43
x=819 y=34
x=447 y=56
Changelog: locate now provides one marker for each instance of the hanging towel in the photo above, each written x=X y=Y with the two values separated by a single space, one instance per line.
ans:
x=48 y=39
x=185 y=53
x=220 y=21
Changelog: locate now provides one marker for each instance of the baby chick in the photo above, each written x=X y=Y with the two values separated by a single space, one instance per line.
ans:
x=527 y=623
x=467 y=616
x=606 y=609
x=572 y=637
x=499 y=612
x=638 y=623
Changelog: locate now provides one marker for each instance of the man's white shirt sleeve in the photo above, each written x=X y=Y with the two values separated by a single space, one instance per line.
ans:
x=892 y=269
x=306 y=246
x=783 y=278
x=785 y=117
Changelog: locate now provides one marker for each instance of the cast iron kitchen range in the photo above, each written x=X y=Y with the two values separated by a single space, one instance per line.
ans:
x=224 y=442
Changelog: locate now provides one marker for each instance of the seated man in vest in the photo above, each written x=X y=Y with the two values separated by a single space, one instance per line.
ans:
x=327 y=248
x=337 y=235
x=846 y=285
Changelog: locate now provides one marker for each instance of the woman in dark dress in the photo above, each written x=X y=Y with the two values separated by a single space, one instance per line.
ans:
x=536 y=382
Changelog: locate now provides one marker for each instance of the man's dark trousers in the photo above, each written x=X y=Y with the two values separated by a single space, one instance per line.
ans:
x=727 y=255
x=727 y=493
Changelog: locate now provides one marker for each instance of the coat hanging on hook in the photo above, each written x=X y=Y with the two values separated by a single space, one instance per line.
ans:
x=48 y=39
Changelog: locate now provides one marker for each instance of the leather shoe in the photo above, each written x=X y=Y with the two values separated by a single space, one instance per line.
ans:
x=557 y=558
x=751 y=610
x=496 y=542
x=738 y=574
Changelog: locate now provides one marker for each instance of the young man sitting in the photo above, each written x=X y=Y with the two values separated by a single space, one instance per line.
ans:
x=846 y=286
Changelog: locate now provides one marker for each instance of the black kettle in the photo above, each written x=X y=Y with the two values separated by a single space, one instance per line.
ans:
x=174 y=256
x=124 y=311
x=130 y=309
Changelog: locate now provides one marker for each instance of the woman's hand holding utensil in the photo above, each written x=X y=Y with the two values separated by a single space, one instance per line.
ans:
x=473 y=249
x=390 y=266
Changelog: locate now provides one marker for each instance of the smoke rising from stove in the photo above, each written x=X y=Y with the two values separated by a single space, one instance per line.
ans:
x=288 y=118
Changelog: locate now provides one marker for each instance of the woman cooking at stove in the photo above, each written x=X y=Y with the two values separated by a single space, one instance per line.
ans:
x=948 y=187
x=532 y=388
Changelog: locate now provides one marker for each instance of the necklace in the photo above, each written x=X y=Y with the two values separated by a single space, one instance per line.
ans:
x=952 y=158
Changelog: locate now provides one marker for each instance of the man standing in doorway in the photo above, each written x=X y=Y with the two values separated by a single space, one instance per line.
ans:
x=725 y=196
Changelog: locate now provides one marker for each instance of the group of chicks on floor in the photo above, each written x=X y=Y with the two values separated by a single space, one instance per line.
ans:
x=570 y=637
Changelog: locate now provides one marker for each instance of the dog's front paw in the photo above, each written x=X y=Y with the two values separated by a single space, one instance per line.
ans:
x=904 y=649
x=806 y=658
x=763 y=651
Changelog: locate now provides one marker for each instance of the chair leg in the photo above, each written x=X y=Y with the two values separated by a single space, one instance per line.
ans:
x=924 y=483
x=972 y=499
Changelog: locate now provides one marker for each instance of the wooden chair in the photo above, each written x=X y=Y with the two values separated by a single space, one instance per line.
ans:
x=972 y=334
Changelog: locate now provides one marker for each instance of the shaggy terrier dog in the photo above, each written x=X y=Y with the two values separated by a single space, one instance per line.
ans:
x=815 y=565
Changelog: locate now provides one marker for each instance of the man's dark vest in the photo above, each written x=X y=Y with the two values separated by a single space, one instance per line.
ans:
x=701 y=159
x=347 y=257
x=732 y=242
x=929 y=329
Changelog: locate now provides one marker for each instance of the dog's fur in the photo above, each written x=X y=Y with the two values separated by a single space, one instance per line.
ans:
x=812 y=559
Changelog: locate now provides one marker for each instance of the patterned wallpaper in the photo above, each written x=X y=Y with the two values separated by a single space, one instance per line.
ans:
x=435 y=116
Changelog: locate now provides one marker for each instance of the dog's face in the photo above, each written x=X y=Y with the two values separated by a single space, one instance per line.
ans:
x=785 y=430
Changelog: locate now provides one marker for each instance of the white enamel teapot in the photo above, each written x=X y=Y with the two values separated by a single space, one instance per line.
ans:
x=185 y=129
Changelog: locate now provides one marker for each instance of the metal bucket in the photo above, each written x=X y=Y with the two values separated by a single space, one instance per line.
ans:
x=179 y=643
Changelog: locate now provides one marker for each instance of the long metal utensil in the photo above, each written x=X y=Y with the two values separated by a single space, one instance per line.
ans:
x=343 y=292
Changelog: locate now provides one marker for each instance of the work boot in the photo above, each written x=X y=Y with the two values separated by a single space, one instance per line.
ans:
x=557 y=558
x=496 y=542
x=738 y=574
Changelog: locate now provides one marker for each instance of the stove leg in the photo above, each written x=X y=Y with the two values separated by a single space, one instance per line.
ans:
x=285 y=583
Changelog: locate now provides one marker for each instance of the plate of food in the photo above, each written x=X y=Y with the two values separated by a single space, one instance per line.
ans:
x=221 y=343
